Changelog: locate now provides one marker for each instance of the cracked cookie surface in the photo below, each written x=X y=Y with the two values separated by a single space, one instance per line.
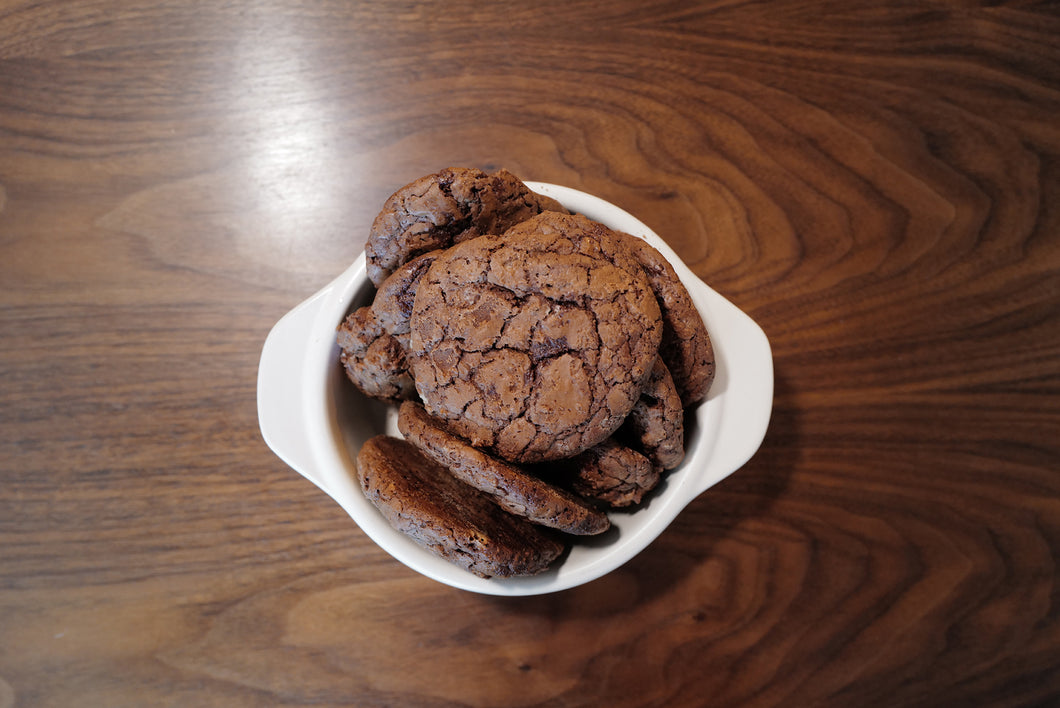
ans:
x=656 y=425
x=535 y=345
x=392 y=305
x=686 y=348
x=374 y=360
x=612 y=474
x=374 y=340
x=441 y=209
x=419 y=497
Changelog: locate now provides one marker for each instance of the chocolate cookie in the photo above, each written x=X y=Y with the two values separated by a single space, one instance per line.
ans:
x=686 y=348
x=374 y=360
x=393 y=301
x=656 y=424
x=448 y=207
x=447 y=517
x=513 y=489
x=374 y=340
x=612 y=474
x=535 y=345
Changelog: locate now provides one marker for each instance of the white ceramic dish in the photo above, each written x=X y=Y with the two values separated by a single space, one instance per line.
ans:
x=315 y=420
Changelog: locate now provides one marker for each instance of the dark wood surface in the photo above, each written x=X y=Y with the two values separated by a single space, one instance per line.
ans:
x=876 y=184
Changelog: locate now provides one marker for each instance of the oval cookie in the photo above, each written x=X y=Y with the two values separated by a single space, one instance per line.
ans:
x=418 y=497
x=513 y=489
x=686 y=349
x=656 y=425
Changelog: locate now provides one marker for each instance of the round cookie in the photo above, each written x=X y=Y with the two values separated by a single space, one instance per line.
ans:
x=612 y=474
x=374 y=360
x=393 y=302
x=535 y=345
x=513 y=489
x=656 y=424
x=420 y=498
x=374 y=340
x=444 y=208
x=686 y=349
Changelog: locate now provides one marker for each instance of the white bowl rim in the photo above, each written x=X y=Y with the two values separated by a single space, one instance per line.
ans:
x=298 y=418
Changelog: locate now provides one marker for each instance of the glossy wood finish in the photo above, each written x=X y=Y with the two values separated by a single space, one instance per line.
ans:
x=876 y=184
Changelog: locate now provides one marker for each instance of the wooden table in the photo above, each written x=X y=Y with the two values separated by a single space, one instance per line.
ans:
x=877 y=185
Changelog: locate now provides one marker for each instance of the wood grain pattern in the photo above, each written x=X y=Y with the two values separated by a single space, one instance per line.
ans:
x=876 y=184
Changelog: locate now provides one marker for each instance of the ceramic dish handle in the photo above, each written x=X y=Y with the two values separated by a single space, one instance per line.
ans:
x=281 y=403
x=745 y=375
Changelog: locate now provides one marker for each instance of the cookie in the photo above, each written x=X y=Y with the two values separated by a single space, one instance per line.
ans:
x=439 y=210
x=612 y=474
x=535 y=345
x=392 y=305
x=656 y=425
x=686 y=349
x=374 y=340
x=513 y=489
x=374 y=360
x=418 y=497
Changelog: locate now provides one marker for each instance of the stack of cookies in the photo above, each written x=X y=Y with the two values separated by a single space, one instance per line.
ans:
x=542 y=363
